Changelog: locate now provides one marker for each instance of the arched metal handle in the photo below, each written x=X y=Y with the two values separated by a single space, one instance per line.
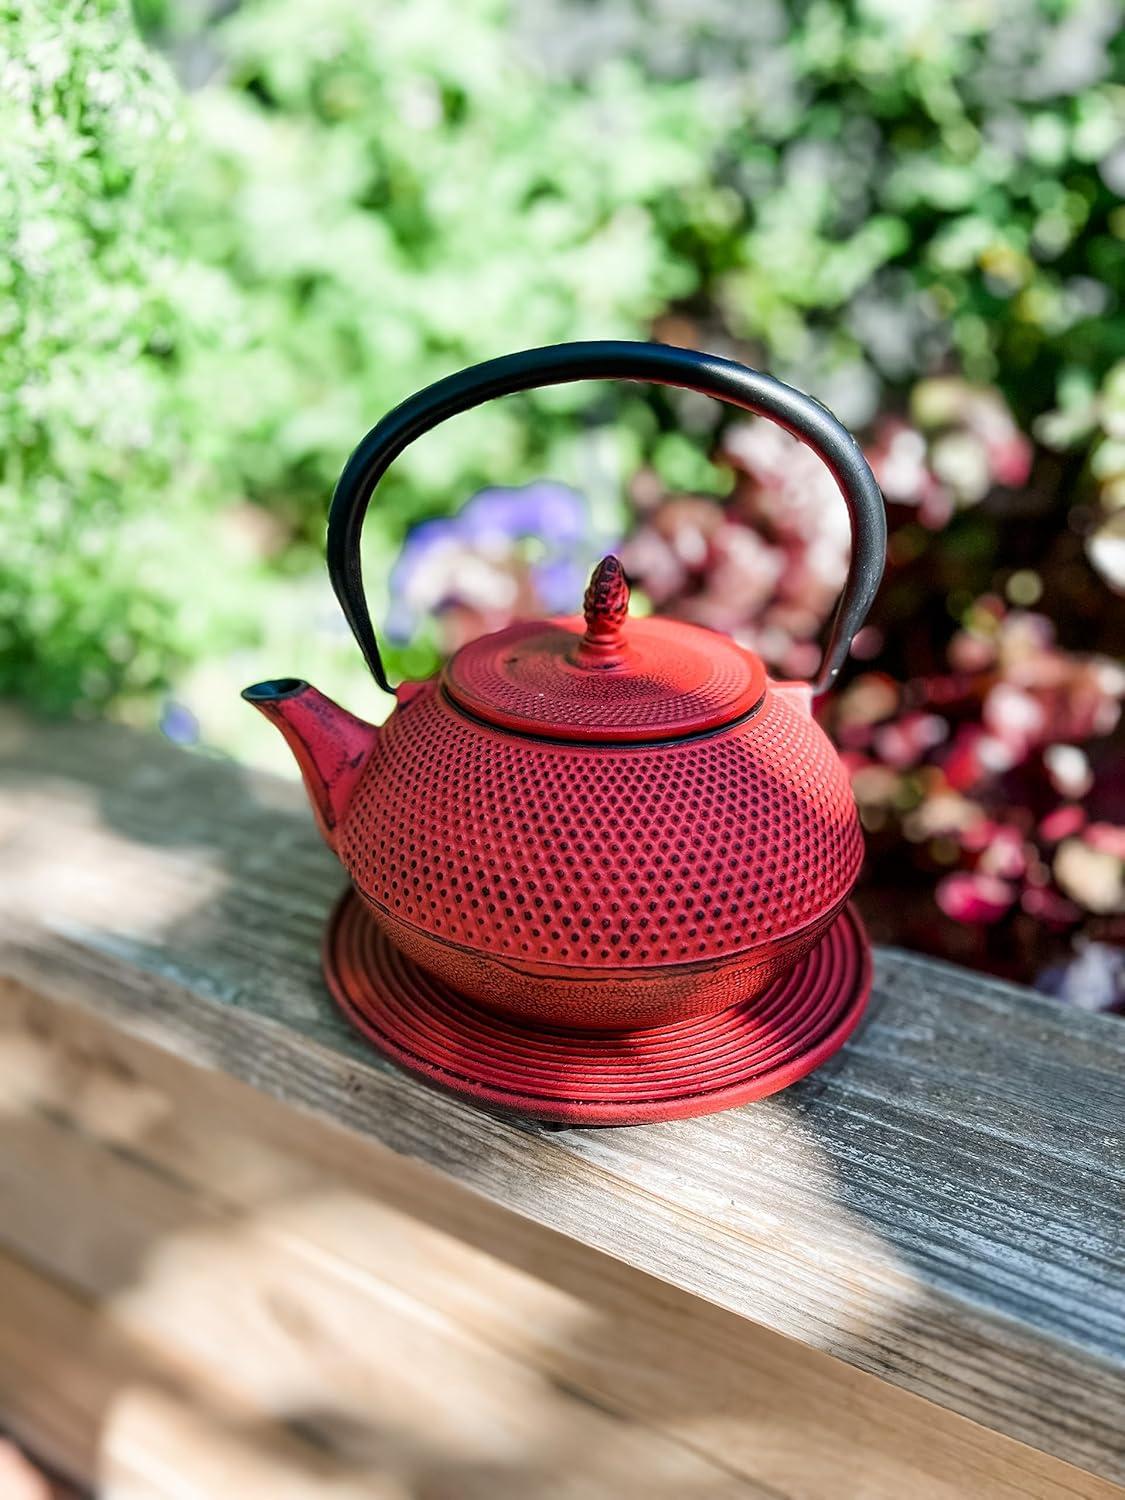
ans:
x=659 y=364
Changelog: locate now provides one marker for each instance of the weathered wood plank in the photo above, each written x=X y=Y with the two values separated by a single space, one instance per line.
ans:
x=330 y=1380
x=942 y=1205
x=105 y=1411
x=110 y=1412
x=306 y=1274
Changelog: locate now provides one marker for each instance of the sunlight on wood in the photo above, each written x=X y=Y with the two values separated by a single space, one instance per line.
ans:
x=118 y=887
x=215 y=1198
x=248 y=1303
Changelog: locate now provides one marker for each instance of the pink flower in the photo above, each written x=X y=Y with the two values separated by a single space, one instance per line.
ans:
x=974 y=756
x=979 y=835
x=953 y=407
x=1062 y=823
x=1107 y=838
x=974 y=898
x=875 y=786
x=1015 y=717
x=1092 y=877
x=905 y=741
x=898 y=457
x=971 y=652
x=946 y=814
x=1005 y=855
x=868 y=642
x=870 y=698
x=1010 y=455
x=900 y=460
x=1046 y=905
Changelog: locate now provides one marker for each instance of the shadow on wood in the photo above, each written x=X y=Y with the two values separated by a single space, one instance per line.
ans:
x=932 y=1207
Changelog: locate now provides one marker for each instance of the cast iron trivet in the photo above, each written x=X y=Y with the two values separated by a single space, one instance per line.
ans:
x=598 y=1077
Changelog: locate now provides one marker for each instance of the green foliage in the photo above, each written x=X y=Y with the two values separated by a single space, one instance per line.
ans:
x=208 y=299
x=936 y=181
x=906 y=182
x=397 y=192
x=99 y=504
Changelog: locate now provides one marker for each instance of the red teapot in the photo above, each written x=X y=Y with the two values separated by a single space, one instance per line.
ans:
x=596 y=822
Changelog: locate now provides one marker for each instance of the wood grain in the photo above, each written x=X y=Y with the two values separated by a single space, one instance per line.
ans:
x=102 y=1408
x=313 y=1282
x=941 y=1205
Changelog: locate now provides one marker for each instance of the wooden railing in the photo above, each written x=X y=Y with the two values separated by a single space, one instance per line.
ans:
x=243 y=1256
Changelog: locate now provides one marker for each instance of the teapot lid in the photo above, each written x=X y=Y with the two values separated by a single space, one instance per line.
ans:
x=606 y=678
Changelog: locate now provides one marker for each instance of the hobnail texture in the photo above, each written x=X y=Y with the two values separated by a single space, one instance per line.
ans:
x=603 y=886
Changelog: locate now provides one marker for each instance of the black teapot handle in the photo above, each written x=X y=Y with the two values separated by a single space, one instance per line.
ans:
x=660 y=364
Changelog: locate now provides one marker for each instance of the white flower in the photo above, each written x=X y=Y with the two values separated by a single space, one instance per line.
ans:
x=1092 y=877
x=1069 y=770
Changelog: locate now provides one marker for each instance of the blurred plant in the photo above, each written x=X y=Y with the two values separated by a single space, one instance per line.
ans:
x=959 y=445
x=1093 y=979
x=857 y=194
x=507 y=554
x=107 y=556
x=912 y=211
x=999 y=777
x=396 y=191
x=767 y=563
x=1094 y=418
x=906 y=181
x=367 y=196
x=208 y=301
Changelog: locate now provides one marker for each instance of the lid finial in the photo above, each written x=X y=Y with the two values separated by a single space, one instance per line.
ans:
x=605 y=606
x=608 y=679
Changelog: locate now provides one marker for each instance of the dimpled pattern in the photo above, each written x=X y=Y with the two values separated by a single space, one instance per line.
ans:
x=578 y=860
x=625 y=998
x=603 y=1078
x=676 y=679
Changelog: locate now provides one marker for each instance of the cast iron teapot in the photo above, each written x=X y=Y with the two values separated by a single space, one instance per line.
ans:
x=596 y=822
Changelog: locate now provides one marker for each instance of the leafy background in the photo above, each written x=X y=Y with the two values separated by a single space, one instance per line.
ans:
x=236 y=234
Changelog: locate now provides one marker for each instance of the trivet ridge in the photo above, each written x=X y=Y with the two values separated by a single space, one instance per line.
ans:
x=598 y=1077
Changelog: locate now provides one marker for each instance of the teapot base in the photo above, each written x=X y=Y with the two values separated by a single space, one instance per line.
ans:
x=580 y=1077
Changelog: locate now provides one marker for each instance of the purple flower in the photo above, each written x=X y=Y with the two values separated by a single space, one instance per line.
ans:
x=1094 y=979
x=553 y=512
x=179 y=724
x=471 y=563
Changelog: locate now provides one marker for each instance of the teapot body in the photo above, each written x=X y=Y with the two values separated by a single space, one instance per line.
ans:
x=602 y=885
x=610 y=823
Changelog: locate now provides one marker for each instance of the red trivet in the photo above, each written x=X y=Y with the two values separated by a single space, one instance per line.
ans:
x=598 y=1077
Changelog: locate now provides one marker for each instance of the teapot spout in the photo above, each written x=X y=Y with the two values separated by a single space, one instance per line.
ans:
x=329 y=744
